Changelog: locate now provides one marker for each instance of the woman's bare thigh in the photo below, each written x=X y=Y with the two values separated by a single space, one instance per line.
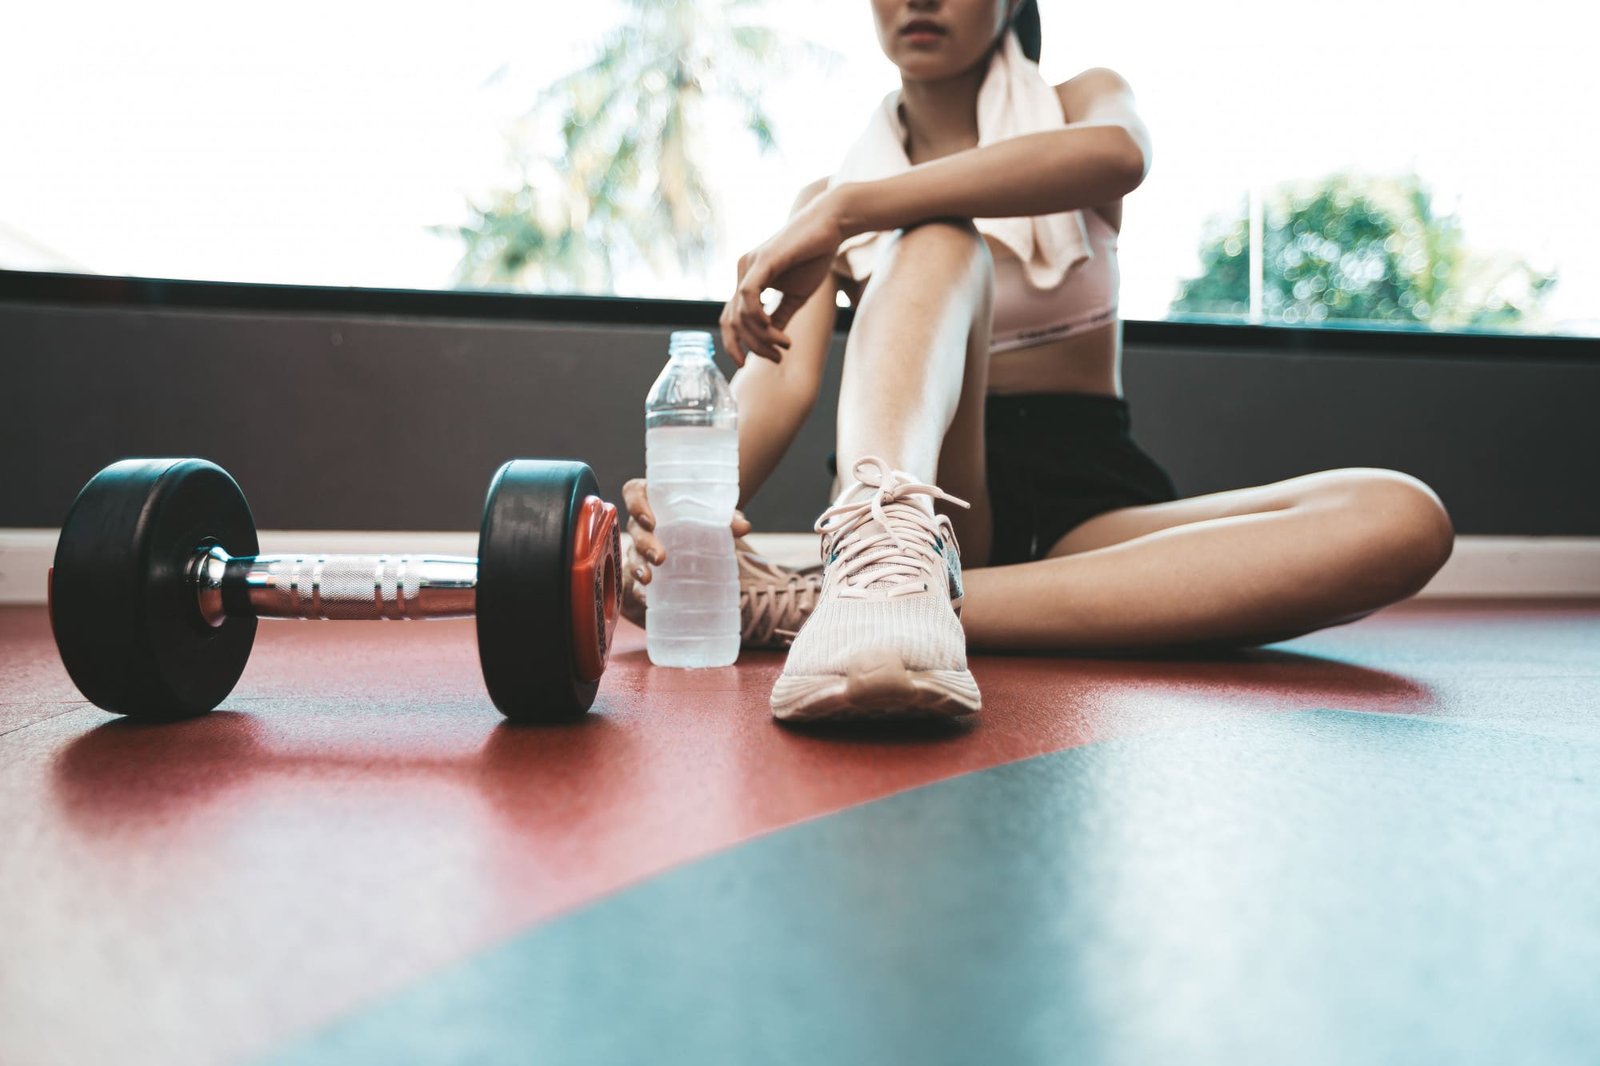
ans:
x=1126 y=523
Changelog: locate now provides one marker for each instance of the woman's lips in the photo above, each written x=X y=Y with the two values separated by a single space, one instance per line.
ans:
x=922 y=32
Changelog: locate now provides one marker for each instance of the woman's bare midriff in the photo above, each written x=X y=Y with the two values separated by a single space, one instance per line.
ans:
x=1087 y=362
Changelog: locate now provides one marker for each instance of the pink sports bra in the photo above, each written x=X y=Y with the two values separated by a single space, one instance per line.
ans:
x=1086 y=297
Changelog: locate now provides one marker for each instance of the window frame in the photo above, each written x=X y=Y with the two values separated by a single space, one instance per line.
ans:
x=97 y=290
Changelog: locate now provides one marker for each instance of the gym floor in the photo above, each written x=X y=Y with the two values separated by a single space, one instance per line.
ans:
x=1373 y=844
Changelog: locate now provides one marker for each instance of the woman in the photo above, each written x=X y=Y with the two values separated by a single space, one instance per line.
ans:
x=982 y=372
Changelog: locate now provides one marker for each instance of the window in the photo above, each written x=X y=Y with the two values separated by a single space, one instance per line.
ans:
x=1365 y=163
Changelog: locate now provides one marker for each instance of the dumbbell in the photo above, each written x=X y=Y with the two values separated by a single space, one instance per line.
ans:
x=158 y=582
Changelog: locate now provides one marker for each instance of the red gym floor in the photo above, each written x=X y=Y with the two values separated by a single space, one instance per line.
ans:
x=321 y=870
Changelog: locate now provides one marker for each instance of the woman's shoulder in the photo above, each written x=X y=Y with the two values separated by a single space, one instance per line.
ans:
x=1081 y=93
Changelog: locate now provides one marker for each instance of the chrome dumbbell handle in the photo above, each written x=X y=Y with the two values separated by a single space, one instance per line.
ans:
x=363 y=587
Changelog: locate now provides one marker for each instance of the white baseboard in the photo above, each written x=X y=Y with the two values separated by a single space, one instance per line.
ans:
x=1490 y=567
x=1512 y=567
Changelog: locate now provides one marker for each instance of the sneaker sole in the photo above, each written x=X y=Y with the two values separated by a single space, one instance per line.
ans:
x=876 y=685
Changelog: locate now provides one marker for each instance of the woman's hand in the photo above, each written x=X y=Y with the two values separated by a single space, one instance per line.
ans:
x=794 y=261
x=644 y=549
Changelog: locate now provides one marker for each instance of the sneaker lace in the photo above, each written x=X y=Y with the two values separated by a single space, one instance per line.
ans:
x=780 y=600
x=863 y=536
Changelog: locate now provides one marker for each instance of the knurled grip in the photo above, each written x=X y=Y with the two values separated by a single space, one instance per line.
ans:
x=360 y=587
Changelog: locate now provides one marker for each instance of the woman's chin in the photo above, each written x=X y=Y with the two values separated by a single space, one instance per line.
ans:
x=924 y=66
x=935 y=61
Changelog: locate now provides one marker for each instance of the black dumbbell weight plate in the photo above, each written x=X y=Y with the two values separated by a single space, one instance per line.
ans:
x=121 y=604
x=524 y=596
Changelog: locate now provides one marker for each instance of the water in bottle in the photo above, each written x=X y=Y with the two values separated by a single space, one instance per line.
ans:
x=692 y=469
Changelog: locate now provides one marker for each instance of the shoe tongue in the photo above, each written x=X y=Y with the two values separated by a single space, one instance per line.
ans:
x=889 y=575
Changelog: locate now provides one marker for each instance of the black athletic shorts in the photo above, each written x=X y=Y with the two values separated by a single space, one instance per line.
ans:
x=1056 y=460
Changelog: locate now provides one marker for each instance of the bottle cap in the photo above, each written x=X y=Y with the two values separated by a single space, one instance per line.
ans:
x=689 y=344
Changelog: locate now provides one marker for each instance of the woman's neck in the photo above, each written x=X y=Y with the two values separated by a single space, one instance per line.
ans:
x=941 y=117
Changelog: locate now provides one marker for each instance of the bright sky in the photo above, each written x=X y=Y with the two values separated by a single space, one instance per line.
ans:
x=317 y=143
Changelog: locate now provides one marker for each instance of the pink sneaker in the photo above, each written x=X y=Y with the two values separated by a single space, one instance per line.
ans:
x=885 y=638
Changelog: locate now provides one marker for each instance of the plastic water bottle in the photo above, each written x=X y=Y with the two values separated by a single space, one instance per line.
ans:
x=692 y=468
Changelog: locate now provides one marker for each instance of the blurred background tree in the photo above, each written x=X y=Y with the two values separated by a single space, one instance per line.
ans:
x=623 y=180
x=1361 y=247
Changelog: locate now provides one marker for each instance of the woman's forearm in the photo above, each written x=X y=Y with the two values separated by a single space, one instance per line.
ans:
x=1036 y=174
x=771 y=411
x=776 y=398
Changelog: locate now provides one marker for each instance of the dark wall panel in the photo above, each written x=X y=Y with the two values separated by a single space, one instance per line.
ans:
x=374 y=423
x=337 y=423
x=1512 y=447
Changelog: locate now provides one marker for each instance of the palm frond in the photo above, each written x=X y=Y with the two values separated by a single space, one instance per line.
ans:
x=629 y=183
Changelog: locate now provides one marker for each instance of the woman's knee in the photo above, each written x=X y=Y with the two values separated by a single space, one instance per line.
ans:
x=956 y=234
x=1407 y=530
x=951 y=245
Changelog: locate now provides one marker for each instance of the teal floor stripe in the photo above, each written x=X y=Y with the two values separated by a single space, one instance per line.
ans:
x=1323 y=887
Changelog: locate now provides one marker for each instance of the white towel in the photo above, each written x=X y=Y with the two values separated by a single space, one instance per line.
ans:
x=1013 y=100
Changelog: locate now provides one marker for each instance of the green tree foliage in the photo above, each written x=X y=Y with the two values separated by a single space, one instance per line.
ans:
x=623 y=178
x=1364 y=248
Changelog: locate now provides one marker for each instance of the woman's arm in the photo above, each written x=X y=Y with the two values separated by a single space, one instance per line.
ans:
x=1099 y=158
x=775 y=398
x=1095 y=160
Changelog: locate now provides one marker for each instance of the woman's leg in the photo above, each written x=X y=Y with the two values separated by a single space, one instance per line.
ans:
x=915 y=369
x=1247 y=566
x=885 y=636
